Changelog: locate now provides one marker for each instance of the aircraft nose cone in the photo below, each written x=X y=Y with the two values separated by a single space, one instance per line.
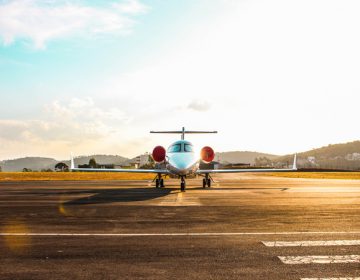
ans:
x=181 y=163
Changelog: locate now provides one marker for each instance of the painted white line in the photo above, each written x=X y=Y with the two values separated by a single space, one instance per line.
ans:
x=172 y=234
x=333 y=278
x=320 y=259
x=311 y=243
x=179 y=200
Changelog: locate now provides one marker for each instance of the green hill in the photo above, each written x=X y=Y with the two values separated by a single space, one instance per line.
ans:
x=336 y=156
x=39 y=163
x=242 y=157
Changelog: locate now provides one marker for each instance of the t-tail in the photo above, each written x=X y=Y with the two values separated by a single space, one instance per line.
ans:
x=72 y=164
x=183 y=132
x=294 y=167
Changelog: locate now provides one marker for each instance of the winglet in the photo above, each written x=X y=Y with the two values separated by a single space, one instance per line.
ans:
x=72 y=164
x=294 y=163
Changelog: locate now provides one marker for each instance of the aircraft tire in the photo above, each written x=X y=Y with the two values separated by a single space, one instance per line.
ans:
x=209 y=183
x=162 y=183
x=204 y=183
x=157 y=183
x=182 y=186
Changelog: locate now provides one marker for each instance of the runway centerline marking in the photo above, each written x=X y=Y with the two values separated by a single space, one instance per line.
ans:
x=311 y=243
x=333 y=278
x=320 y=259
x=171 y=234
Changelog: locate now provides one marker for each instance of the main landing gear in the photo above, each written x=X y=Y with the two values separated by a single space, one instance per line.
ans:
x=207 y=181
x=159 y=181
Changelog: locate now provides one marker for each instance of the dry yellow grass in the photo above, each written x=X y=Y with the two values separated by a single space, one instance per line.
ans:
x=318 y=175
x=72 y=176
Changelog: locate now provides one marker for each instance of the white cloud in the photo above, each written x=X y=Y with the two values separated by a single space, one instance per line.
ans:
x=85 y=110
x=41 y=20
x=281 y=76
x=79 y=125
x=131 y=7
x=198 y=105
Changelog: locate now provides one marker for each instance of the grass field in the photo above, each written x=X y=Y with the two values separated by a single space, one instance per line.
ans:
x=88 y=176
x=72 y=176
x=318 y=175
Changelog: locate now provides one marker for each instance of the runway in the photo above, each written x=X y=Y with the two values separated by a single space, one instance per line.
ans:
x=244 y=227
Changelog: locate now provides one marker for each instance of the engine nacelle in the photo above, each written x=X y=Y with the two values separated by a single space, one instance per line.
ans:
x=159 y=154
x=207 y=154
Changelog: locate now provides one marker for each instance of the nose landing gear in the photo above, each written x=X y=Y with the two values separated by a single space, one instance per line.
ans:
x=183 y=184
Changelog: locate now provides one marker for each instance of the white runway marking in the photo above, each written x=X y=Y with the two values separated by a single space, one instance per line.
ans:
x=311 y=243
x=174 y=234
x=180 y=200
x=320 y=259
x=333 y=278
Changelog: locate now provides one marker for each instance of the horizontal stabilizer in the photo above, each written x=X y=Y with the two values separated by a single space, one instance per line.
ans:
x=183 y=132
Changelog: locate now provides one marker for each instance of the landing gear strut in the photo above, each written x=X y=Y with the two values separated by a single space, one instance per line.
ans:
x=182 y=184
x=207 y=181
x=159 y=181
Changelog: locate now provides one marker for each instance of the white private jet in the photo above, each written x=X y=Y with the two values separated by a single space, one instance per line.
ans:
x=180 y=160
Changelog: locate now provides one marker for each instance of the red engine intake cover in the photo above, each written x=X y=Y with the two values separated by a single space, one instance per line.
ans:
x=159 y=153
x=207 y=154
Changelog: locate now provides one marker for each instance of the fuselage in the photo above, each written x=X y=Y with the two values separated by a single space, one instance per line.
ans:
x=181 y=158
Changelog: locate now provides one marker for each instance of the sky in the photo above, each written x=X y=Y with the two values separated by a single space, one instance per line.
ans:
x=94 y=77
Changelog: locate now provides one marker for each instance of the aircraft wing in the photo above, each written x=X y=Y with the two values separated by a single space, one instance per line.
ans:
x=73 y=168
x=202 y=171
x=162 y=171
x=294 y=168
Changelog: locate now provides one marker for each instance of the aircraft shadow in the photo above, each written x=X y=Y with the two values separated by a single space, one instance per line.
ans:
x=119 y=195
x=238 y=188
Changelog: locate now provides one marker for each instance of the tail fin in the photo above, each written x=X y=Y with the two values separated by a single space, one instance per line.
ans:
x=72 y=164
x=183 y=132
x=294 y=167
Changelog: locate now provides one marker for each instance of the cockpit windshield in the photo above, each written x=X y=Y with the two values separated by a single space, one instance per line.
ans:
x=174 y=148
x=189 y=148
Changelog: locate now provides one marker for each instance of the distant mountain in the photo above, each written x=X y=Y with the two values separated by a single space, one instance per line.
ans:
x=241 y=157
x=101 y=159
x=34 y=163
x=337 y=156
x=38 y=163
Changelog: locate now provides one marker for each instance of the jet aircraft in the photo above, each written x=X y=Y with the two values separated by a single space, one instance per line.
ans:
x=181 y=161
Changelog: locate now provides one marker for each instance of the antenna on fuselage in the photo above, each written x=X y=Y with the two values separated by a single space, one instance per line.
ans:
x=183 y=132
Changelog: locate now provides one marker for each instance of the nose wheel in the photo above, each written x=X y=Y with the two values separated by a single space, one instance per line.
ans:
x=182 y=184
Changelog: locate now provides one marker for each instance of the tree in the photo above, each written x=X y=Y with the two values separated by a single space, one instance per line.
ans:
x=61 y=167
x=92 y=163
x=46 y=170
x=263 y=161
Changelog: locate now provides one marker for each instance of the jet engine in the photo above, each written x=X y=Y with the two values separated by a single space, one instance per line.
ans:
x=207 y=154
x=159 y=154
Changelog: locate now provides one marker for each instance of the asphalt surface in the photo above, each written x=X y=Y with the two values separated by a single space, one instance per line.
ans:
x=130 y=230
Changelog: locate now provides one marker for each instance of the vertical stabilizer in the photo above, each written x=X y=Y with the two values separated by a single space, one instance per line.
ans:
x=294 y=163
x=72 y=164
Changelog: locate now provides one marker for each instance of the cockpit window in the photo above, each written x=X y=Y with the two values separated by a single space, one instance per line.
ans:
x=189 y=148
x=174 y=148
